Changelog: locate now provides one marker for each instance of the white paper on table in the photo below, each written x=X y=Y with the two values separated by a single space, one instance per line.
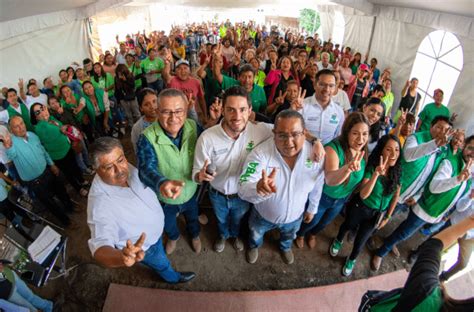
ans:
x=40 y=249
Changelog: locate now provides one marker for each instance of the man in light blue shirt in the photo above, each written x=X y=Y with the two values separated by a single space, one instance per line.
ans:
x=31 y=160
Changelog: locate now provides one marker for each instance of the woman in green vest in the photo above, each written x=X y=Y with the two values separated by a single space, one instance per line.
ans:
x=373 y=206
x=76 y=104
x=97 y=108
x=344 y=169
x=52 y=134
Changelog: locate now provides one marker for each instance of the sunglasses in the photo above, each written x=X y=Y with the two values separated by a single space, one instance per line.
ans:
x=39 y=111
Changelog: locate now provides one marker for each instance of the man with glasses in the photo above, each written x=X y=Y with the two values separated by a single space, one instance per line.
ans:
x=279 y=177
x=322 y=116
x=165 y=153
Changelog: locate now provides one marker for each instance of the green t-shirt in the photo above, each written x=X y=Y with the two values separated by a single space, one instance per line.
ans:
x=344 y=189
x=429 y=113
x=54 y=141
x=259 y=100
x=136 y=71
x=105 y=82
x=388 y=101
x=260 y=78
x=377 y=199
x=149 y=65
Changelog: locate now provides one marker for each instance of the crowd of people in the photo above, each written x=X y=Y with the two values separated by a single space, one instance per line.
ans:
x=282 y=130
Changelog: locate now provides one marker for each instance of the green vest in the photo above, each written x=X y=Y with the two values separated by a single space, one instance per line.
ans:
x=377 y=199
x=436 y=204
x=344 y=189
x=90 y=109
x=71 y=106
x=174 y=163
x=414 y=168
x=25 y=114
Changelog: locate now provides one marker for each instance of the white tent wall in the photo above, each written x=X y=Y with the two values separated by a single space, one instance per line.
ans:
x=396 y=37
x=42 y=53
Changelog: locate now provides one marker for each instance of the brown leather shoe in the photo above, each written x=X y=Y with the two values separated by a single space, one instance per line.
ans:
x=375 y=263
x=312 y=241
x=196 y=243
x=170 y=246
x=299 y=241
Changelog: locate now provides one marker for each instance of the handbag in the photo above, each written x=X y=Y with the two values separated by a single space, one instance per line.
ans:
x=373 y=297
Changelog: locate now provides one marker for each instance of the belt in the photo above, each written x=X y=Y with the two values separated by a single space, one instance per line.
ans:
x=230 y=196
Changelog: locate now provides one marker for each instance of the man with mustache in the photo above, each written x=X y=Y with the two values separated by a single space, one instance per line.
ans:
x=125 y=217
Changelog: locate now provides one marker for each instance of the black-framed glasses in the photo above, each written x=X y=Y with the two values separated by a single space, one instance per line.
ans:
x=177 y=113
x=286 y=136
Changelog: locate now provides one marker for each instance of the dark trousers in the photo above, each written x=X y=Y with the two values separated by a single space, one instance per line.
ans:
x=46 y=187
x=359 y=216
x=71 y=170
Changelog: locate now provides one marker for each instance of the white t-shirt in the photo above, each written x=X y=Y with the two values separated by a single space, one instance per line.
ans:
x=41 y=98
x=342 y=99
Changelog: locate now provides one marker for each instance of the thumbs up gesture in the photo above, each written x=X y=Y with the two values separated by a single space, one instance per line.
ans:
x=133 y=253
x=171 y=188
x=266 y=185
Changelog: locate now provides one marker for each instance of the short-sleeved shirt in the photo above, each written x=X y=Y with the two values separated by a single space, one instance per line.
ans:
x=149 y=65
x=189 y=87
x=104 y=82
x=377 y=199
x=429 y=112
x=41 y=98
x=259 y=100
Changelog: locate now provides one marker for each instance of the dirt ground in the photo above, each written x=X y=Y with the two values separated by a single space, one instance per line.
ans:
x=85 y=287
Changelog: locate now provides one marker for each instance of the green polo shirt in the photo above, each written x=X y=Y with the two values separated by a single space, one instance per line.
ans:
x=259 y=100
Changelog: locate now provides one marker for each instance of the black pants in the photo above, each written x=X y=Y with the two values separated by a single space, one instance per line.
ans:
x=358 y=215
x=46 y=187
x=69 y=167
x=7 y=209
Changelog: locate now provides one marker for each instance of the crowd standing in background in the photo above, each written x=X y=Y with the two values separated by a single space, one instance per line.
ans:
x=244 y=111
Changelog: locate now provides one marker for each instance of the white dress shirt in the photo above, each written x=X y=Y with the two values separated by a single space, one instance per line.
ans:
x=325 y=124
x=294 y=187
x=464 y=209
x=226 y=155
x=413 y=151
x=442 y=182
x=116 y=214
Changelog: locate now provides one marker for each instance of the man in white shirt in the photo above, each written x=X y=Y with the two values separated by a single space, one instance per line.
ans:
x=34 y=95
x=279 y=178
x=224 y=148
x=322 y=116
x=120 y=211
x=324 y=63
x=340 y=96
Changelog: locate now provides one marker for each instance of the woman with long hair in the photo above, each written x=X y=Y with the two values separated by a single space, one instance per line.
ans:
x=277 y=79
x=52 y=134
x=372 y=207
x=344 y=170
x=98 y=108
x=76 y=104
x=125 y=93
x=374 y=110
x=355 y=63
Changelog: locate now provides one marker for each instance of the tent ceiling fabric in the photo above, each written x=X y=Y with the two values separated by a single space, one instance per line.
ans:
x=458 y=7
x=14 y=9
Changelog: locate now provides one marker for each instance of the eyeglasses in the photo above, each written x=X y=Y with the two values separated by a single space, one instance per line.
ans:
x=285 y=136
x=39 y=111
x=326 y=85
x=177 y=113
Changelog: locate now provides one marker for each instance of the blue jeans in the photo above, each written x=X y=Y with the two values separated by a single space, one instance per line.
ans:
x=190 y=211
x=155 y=257
x=229 y=213
x=23 y=296
x=404 y=231
x=82 y=159
x=401 y=208
x=259 y=226
x=328 y=210
x=157 y=85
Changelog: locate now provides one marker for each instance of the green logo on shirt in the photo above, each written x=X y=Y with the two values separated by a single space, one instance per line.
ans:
x=249 y=171
x=308 y=163
x=333 y=119
x=250 y=146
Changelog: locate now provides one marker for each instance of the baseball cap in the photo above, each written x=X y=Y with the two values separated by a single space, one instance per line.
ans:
x=364 y=67
x=182 y=61
x=438 y=90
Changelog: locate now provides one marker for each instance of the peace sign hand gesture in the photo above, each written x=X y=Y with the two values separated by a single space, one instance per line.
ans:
x=281 y=98
x=443 y=139
x=403 y=117
x=266 y=185
x=354 y=164
x=382 y=167
x=133 y=253
x=215 y=111
x=297 y=104
x=466 y=172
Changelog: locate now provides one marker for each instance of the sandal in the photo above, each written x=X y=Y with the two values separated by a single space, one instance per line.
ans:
x=83 y=192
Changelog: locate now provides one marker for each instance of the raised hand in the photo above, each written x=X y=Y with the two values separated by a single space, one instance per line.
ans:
x=7 y=140
x=403 y=117
x=443 y=139
x=133 y=253
x=171 y=188
x=466 y=172
x=191 y=100
x=266 y=185
x=281 y=98
x=297 y=104
x=215 y=110
x=354 y=164
x=204 y=174
x=20 y=83
x=382 y=167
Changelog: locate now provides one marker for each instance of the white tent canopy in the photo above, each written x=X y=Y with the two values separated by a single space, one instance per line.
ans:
x=38 y=37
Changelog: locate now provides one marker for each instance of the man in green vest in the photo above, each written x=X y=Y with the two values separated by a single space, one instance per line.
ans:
x=16 y=108
x=165 y=153
x=450 y=182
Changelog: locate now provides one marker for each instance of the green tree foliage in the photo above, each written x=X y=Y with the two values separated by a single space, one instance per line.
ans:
x=309 y=20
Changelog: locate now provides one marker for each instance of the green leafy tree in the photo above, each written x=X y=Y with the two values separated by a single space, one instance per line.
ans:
x=309 y=20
